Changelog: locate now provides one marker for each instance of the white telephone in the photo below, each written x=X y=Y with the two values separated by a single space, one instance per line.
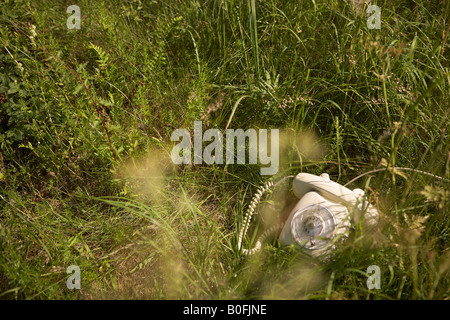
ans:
x=325 y=210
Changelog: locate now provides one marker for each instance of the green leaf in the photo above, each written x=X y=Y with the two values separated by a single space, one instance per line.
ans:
x=77 y=89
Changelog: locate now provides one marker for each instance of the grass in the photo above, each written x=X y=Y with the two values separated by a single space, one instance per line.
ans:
x=86 y=117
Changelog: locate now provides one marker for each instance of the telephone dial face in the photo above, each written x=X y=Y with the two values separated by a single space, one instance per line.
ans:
x=312 y=225
x=325 y=209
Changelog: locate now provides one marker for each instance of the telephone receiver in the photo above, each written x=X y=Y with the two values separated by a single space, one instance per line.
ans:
x=325 y=210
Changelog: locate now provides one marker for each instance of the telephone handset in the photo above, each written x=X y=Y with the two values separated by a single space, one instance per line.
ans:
x=324 y=210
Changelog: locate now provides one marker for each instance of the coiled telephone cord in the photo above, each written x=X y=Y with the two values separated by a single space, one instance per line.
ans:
x=250 y=211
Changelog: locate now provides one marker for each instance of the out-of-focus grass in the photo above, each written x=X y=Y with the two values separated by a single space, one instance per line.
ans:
x=86 y=117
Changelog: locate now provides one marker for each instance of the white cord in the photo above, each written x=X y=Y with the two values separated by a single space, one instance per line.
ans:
x=263 y=237
x=250 y=211
x=397 y=168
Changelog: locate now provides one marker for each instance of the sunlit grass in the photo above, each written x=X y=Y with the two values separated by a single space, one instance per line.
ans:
x=85 y=171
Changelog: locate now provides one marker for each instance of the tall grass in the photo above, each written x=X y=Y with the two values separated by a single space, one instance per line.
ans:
x=86 y=118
